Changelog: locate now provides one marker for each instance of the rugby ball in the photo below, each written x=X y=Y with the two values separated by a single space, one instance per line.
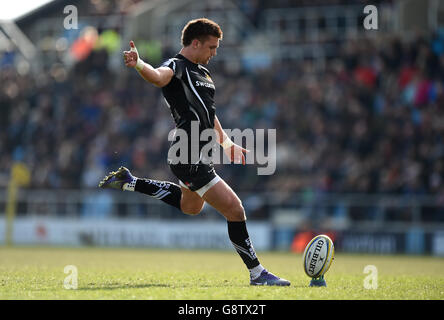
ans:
x=318 y=256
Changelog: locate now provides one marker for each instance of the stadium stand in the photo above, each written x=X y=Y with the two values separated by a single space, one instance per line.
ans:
x=367 y=118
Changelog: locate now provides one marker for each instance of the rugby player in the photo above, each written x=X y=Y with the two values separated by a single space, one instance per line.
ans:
x=189 y=93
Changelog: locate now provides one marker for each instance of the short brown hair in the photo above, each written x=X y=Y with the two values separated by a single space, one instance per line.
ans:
x=200 y=29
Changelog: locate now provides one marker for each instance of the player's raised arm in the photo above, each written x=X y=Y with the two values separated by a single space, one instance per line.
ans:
x=160 y=77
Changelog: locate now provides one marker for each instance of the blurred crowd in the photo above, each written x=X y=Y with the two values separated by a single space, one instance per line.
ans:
x=371 y=120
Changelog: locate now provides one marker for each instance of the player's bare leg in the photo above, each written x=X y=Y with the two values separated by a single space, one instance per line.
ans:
x=222 y=198
x=191 y=203
x=225 y=200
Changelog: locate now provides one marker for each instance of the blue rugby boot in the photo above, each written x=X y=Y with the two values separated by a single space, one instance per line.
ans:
x=268 y=279
x=117 y=179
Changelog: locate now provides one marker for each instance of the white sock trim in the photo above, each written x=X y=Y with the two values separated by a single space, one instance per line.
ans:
x=256 y=271
x=130 y=186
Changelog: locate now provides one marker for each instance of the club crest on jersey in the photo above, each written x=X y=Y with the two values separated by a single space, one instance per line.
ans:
x=189 y=184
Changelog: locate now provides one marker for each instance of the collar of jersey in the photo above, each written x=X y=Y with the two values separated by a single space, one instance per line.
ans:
x=182 y=57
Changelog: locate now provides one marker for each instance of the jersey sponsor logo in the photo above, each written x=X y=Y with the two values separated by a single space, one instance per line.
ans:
x=204 y=84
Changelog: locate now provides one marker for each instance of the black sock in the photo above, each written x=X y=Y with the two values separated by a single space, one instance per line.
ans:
x=237 y=231
x=166 y=191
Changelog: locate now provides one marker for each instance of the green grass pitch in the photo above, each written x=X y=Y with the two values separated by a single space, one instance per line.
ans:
x=106 y=273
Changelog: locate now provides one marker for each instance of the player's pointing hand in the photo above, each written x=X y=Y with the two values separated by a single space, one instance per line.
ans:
x=131 y=57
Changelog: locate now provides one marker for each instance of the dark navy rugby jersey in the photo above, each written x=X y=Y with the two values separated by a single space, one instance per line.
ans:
x=190 y=95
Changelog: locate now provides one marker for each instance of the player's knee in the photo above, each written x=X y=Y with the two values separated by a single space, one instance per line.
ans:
x=191 y=210
x=237 y=211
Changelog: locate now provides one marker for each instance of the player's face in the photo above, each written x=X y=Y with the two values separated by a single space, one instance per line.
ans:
x=208 y=49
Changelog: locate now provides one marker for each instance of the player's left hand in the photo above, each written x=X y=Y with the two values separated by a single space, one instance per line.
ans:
x=130 y=57
x=236 y=154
